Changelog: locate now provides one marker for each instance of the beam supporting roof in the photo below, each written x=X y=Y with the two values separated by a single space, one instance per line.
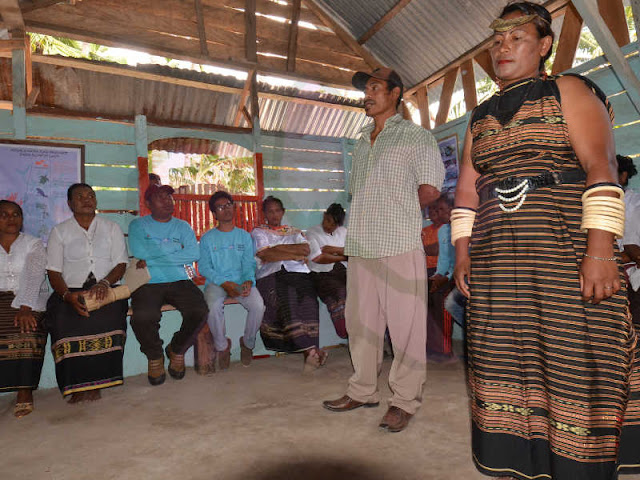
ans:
x=469 y=85
x=568 y=41
x=445 y=96
x=342 y=33
x=250 y=31
x=422 y=96
x=588 y=9
x=484 y=60
x=243 y=100
x=395 y=10
x=555 y=7
x=612 y=12
x=293 y=35
x=202 y=34
x=11 y=15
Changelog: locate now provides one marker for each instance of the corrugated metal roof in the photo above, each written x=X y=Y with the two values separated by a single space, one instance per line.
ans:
x=110 y=95
x=425 y=36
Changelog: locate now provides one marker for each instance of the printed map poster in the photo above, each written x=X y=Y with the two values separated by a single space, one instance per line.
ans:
x=449 y=152
x=37 y=176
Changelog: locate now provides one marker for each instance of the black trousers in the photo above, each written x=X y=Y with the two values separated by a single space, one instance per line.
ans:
x=146 y=304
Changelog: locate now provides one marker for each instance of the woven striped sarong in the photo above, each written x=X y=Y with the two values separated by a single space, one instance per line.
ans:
x=21 y=354
x=291 y=321
x=553 y=379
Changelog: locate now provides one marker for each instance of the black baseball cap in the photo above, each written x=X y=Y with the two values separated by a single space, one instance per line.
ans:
x=360 y=79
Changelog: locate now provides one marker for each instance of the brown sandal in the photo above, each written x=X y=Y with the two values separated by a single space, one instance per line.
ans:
x=22 y=409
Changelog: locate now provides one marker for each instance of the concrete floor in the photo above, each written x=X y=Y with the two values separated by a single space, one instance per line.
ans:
x=264 y=422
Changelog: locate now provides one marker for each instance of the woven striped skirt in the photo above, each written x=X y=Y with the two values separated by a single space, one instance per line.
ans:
x=291 y=319
x=21 y=354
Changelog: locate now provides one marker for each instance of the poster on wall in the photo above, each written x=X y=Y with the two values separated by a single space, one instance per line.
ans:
x=37 y=176
x=449 y=152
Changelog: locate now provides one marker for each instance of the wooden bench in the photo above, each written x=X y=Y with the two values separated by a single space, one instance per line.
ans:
x=203 y=350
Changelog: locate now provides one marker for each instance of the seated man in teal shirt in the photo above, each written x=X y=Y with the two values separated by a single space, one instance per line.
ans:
x=169 y=248
x=227 y=261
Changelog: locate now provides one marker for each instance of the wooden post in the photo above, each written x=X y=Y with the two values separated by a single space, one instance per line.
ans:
x=484 y=60
x=469 y=84
x=142 y=151
x=588 y=10
x=612 y=12
x=202 y=34
x=250 y=31
x=445 y=96
x=568 y=41
x=422 y=96
x=19 y=87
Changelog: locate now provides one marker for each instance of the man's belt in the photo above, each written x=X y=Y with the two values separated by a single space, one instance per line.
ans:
x=547 y=179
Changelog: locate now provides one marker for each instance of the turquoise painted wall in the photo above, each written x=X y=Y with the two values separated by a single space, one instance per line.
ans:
x=111 y=167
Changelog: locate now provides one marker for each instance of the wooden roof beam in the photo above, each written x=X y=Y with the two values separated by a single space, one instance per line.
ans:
x=293 y=36
x=588 y=10
x=32 y=5
x=555 y=7
x=484 y=60
x=243 y=101
x=250 y=31
x=445 y=96
x=568 y=41
x=342 y=33
x=422 y=96
x=202 y=34
x=376 y=27
x=469 y=85
x=11 y=15
x=612 y=12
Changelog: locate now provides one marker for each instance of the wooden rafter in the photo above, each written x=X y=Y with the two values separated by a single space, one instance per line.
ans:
x=469 y=85
x=293 y=35
x=202 y=33
x=30 y=6
x=395 y=10
x=250 y=31
x=568 y=40
x=484 y=60
x=588 y=10
x=445 y=96
x=11 y=15
x=612 y=12
x=342 y=33
x=422 y=97
x=555 y=7
x=243 y=100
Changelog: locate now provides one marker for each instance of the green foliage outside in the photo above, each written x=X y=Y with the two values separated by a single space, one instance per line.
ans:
x=234 y=175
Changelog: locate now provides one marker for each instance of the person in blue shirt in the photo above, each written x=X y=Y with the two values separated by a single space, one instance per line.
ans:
x=227 y=261
x=169 y=247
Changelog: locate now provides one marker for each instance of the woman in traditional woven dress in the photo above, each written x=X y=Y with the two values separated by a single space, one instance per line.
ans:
x=551 y=345
x=23 y=296
x=291 y=320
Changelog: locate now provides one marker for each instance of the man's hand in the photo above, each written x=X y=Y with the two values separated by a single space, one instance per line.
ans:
x=25 y=320
x=141 y=264
x=232 y=289
x=246 y=288
x=331 y=250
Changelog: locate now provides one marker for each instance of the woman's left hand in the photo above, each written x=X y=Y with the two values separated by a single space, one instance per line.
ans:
x=25 y=320
x=99 y=291
x=599 y=279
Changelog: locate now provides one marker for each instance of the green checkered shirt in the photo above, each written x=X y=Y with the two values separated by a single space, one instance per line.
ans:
x=385 y=217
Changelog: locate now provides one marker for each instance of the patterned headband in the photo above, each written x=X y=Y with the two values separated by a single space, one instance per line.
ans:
x=502 y=25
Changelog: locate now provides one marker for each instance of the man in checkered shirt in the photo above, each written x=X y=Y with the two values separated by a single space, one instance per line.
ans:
x=397 y=170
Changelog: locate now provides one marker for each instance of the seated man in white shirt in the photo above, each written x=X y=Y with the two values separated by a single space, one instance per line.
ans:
x=86 y=253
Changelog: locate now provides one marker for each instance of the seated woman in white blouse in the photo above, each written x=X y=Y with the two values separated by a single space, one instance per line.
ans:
x=291 y=321
x=86 y=253
x=23 y=294
x=328 y=264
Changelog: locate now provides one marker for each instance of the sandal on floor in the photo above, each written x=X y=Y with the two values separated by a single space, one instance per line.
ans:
x=22 y=409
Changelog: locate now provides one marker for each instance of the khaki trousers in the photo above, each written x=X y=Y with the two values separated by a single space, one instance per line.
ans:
x=388 y=292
